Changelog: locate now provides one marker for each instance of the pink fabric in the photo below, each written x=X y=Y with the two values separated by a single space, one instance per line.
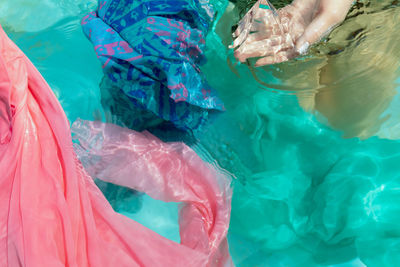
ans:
x=52 y=213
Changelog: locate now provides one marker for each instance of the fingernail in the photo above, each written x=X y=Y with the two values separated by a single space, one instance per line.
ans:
x=303 y=48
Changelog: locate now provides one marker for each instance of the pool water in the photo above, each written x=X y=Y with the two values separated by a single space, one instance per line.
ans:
x=312 y=144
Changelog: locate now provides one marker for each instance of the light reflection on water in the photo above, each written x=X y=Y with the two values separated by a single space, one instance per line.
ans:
x=295 y=174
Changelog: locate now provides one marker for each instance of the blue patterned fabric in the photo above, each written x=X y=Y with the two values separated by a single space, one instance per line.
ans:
x=150 y=51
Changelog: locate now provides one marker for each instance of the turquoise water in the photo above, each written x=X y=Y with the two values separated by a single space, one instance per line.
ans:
x=312 y=145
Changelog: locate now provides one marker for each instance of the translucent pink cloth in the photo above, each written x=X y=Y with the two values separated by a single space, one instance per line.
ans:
x=52 y=213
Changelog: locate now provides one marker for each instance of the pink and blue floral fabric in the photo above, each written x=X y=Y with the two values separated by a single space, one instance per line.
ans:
x=150 y=51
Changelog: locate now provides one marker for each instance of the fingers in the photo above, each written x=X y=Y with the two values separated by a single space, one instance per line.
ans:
x=243 y=29
x=276 y=58
x=245 y=21
x=259 y=35
x=243 y=24
x=242 y=37
x=331 y=15
x=313 y=33
x=270 y=60
x=261 y=48
x=242 y=57
x=262 y=26
x=256 y=20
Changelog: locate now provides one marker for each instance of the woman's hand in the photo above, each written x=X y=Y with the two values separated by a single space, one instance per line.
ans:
x=278 y=37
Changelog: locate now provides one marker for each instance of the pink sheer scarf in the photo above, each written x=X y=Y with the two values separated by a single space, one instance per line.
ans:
x=52 y=213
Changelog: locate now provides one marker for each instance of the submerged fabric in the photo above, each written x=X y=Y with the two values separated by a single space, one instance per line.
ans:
x=150 y=51
x=52 y=213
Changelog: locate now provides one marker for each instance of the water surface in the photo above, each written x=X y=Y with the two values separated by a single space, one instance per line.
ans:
x=312 y=144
